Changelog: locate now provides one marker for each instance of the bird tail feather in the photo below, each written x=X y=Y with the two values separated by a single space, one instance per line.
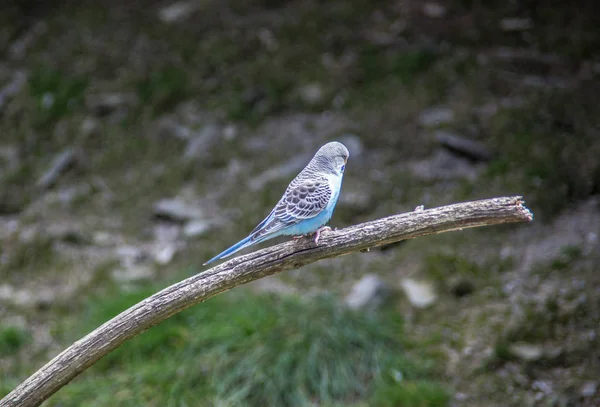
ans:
x=236 y=247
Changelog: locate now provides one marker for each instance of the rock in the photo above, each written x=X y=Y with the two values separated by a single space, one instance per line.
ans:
x=169 y=126
x=104 y=104
x=434 y=10
x=443 y=166
x=589 y=389
x=166 y=232
x=369 y=292
x=102 y=238
x=436 y=116
x=200 y=143
x=178 y=12
x=268 y=40
x=471 y=149
x=195 y=228
x=89 y=126
x=164 y=252
x=130 y=255
x=61 y=163
x=548 y=82
x=527 y=54
x=527 y=352
x=230 y=132
x=177 y=210
x=488 y=110
x=12 y=88
x=420 y=294
x=132 y=274
x=312 y=94
x=516 y=24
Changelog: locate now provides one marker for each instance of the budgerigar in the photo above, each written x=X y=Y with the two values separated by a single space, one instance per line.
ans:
x=307 y=203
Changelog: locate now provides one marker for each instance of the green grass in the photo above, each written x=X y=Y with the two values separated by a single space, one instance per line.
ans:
x=246 y=350
x=56 y=93
x=12 y=339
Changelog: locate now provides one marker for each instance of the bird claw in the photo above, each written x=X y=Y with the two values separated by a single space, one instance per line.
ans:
x=318 y=233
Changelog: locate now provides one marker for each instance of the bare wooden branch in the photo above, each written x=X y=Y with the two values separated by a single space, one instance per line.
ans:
x=243 y=269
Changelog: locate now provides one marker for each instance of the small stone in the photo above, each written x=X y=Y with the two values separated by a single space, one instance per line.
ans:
x=312 y=94
x=130 y=255
x=434 y=10
x=164 y=253
x=516 y=24
x=195 y=228
x=133 y=273
x=471 y=149
x=89 y=126
x=13 y=87
x=177 y=210
x=61 y=163
x=444 y=165
x=106 y=103
x=230 y=132
x=526 y=351
x=589 y=389
x=436 y=116
x=102 y=238
x=177 y=12
x=201 y=142
x=369 y=292
x=420 y=294
x=166 y=232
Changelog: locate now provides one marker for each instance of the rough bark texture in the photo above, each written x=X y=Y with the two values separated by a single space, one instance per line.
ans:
x=160 y=306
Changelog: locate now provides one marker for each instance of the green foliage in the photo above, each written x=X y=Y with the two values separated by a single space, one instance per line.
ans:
x=250 y=351
x=57 y=94
x=569 y=254
x=12 y=339
x=376 y=64
x=419 y=393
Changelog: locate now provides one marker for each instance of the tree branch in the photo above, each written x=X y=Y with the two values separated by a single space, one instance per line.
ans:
x=243 y=269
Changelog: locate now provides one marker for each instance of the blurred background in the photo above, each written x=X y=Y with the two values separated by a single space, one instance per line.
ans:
x=138 y=139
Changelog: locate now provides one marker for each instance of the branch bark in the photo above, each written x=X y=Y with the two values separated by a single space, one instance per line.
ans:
x=243 y=269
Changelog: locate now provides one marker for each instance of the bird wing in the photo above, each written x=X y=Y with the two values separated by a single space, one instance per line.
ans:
x=303 y=199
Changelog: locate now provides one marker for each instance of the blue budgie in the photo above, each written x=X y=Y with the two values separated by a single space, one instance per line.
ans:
x=307 y=203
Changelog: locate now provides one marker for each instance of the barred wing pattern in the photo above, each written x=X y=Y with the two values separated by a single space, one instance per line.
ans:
x=303 y=199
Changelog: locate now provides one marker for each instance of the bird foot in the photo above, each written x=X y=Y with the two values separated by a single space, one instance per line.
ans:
x=318 y=233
